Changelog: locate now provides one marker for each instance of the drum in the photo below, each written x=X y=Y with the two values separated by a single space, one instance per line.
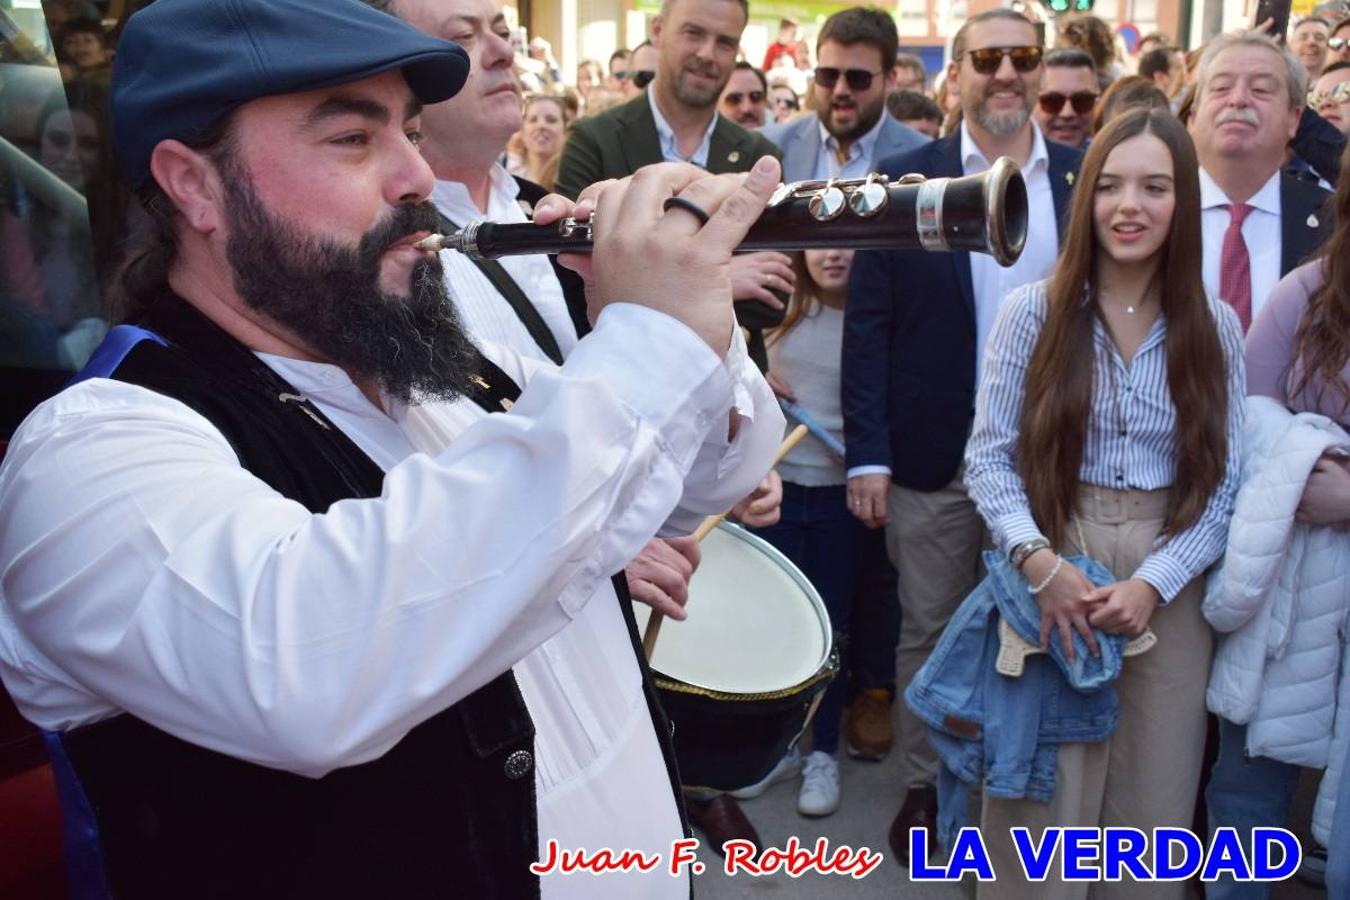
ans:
x=742 y=675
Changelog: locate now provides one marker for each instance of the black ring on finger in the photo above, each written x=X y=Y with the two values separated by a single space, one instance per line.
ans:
x=688 y=206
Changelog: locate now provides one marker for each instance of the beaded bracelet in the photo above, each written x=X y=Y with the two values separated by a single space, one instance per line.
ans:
x=1059 y=564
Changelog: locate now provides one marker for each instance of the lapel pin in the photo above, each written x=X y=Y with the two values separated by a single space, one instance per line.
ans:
x=734 y=156
x=1312 y=220
x=527 y=207
x=480 y=381
x=1068 y=176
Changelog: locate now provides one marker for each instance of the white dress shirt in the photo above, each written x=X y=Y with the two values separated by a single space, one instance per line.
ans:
x=1261 y=230
x=1130 y=441
x=859 y=161
x=670 y=145
x=143 y=570
x=485 y=313
x=991 y=282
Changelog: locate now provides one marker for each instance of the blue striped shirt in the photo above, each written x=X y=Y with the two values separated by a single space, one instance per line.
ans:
x=1130 y=438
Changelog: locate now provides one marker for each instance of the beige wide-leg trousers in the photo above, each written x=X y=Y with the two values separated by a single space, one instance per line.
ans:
x=1145 y=775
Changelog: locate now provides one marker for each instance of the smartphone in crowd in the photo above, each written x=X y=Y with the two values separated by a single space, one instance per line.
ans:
x=1278 y=12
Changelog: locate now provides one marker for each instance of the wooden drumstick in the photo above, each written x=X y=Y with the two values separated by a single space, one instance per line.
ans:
x=653 y=630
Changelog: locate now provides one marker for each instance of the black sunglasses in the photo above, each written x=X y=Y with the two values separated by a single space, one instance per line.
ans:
x=1053 y=101
x=858 y=79
x=789 y=102
x=1337 y=43
x=986 y=60
x=735 y=97
x=643 y=77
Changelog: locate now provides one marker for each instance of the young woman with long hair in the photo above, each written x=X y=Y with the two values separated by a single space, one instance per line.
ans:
x=1298 y=353
x=816 y=530
x=1109 y=424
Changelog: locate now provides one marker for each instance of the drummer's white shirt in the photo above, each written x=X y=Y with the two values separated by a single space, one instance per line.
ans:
x=252 y=653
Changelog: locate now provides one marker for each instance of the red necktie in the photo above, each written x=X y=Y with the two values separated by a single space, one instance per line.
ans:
x=1235 y=266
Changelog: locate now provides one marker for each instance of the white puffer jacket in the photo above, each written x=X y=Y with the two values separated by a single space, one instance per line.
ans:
x=1281 y=596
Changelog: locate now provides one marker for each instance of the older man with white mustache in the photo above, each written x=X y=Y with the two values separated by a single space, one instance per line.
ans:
x=1257 y=223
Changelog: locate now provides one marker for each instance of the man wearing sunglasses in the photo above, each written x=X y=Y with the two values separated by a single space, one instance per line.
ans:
x=745 y=97
x=1338 y=47
x=1330 y=96
x=618 y=70
x=856 y=49
x=914 y=334
x=1068 y=97
x=642 y=63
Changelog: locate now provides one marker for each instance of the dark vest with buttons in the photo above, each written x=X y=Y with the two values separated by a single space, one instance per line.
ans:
x=448 y=811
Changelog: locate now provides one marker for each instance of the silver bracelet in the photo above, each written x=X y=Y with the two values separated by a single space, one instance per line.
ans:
x=1059 y=564
x=1023 y=551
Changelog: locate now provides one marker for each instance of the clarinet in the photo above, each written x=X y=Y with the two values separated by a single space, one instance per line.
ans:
x=984 y=213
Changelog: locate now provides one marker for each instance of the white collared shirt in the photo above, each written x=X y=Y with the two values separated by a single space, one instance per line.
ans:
x=859 y=161
x=239 y=621
x=1261 y=230
x=485 y=313
x=670 y=146
x=991 y=282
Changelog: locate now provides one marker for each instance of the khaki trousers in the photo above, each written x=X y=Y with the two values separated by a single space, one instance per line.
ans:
x=934 y=540
x=1145 y=775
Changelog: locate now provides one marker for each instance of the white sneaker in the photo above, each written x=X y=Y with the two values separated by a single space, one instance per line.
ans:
x=820 y=785
x=790 y=766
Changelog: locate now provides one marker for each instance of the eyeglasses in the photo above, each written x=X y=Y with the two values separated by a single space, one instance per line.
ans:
x=788 y=102
x=858 y=79
x=1339 y=94
x=987 y=60
x=643 y=77
x=735 y=97
x=1338 y=44
x=1053 y=101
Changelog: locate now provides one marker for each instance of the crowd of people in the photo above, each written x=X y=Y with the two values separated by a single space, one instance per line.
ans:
x=1124 y=456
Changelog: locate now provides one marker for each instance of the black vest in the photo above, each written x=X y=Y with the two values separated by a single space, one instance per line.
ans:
x=449 y=811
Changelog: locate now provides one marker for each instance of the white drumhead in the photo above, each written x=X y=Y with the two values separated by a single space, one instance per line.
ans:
x=755 y=623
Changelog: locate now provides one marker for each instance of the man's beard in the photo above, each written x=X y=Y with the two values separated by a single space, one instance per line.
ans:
x=699 y=97
x=867 y=118
x=1002 y=124
x=328 y=295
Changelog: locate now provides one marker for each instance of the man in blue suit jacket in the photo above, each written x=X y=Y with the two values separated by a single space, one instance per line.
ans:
x=913 y=337
x=856 y=50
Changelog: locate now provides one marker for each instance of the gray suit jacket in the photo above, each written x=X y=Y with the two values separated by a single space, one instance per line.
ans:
x=799 y=140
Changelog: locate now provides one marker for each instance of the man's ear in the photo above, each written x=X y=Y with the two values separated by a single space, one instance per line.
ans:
x=657 y=24
x=953 y=78
x=192 y=183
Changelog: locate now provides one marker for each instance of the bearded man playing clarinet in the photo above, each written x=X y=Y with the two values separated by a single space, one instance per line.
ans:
x=299 y=617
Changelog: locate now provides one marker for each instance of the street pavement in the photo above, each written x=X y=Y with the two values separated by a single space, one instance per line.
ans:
x=870 y=797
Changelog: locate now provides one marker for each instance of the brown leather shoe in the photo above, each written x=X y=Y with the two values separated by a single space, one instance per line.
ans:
x=918 y=811
x=868 y=732
x=720 y=819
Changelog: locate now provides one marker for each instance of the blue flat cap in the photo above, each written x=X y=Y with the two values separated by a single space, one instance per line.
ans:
x=183 y=65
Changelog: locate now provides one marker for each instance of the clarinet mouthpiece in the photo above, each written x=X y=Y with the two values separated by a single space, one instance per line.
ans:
x=433 y=243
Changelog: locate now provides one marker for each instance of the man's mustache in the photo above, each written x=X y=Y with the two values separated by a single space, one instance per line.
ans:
x=403 y=221
x=1244 y=114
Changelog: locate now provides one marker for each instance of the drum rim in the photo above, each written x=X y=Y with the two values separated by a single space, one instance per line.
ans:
x=828 y=670
x=827 y=667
